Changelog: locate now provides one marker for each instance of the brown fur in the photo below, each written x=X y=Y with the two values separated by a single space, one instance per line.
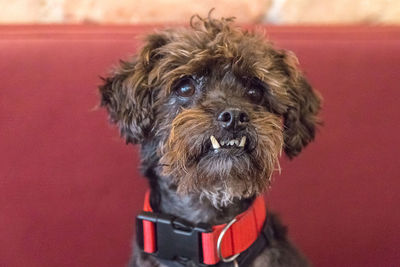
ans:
x=247 y=176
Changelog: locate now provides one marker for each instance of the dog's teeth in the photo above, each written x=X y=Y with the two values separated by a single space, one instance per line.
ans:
x=232 y=142
x=222 y=143
x=242 y=141
x=236 y=142
x=214 y=142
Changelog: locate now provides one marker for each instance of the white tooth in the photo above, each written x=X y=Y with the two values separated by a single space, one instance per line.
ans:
x=236 y=142
x=222 y=143
x=231 y=142
x=214 y=142
x=242 y=141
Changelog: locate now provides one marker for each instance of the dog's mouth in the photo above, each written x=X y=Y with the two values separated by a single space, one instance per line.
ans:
x=228 y=144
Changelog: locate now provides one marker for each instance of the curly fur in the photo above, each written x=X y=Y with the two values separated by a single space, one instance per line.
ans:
x=223 y=62
x=220 y=177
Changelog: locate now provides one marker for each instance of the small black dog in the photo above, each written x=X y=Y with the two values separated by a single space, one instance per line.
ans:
x=212 y=107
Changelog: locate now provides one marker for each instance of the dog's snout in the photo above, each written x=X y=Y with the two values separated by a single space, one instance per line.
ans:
x=233 y=119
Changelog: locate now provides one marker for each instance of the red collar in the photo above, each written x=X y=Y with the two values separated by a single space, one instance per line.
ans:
x=238 y=237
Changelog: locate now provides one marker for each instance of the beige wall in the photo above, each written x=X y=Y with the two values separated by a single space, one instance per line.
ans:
x=161 y=11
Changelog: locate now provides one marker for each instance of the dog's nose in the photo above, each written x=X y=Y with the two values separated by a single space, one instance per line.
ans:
x=233 y=119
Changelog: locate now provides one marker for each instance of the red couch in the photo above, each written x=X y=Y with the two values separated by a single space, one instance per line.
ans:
x=70 y=188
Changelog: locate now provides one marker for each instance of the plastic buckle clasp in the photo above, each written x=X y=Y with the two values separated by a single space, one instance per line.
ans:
x=177 y=239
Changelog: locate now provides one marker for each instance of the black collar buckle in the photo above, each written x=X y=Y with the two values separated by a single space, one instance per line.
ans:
x=176 y=239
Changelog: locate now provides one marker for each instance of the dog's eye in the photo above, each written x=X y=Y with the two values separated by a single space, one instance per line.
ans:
x=185 y=88
x=255 y=94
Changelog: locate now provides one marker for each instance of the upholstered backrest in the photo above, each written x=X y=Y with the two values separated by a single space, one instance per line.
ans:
x=70 y=187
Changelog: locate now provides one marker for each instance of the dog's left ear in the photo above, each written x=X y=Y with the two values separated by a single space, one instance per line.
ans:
x=128 y=95
x=300 y=118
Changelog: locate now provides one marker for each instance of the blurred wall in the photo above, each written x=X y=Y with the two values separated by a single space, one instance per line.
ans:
x=164 y=11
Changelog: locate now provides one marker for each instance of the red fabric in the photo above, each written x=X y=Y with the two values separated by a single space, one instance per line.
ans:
x=149 y=230
x=238 y=237
x=69 y=187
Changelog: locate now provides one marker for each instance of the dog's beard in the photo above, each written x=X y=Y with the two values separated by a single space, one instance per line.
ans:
x=227 y=173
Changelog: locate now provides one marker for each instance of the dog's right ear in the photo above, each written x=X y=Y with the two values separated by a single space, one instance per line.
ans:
x=127 y=94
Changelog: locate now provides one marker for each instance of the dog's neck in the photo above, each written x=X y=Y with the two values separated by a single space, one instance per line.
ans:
x=191 y=207
x=194 y=209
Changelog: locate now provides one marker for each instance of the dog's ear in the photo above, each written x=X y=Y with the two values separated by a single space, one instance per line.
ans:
x=127 y=94
x=300 y=118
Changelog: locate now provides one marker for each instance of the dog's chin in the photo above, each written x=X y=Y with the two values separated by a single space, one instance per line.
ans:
x=230 y=172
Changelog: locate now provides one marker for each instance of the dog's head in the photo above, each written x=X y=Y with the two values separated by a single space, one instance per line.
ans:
x=216 y=104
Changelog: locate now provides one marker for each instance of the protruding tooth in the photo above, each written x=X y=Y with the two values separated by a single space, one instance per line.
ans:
x=214 y=142
x=222 y=143
x=236 y=142
x=242 y=141
x=231 y=142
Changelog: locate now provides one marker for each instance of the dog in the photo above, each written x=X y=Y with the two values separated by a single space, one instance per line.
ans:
x=212 y=107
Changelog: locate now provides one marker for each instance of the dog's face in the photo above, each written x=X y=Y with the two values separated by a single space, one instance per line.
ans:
x=217 y=106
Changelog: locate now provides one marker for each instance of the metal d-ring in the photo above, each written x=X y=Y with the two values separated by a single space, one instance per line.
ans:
x=221 y=235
